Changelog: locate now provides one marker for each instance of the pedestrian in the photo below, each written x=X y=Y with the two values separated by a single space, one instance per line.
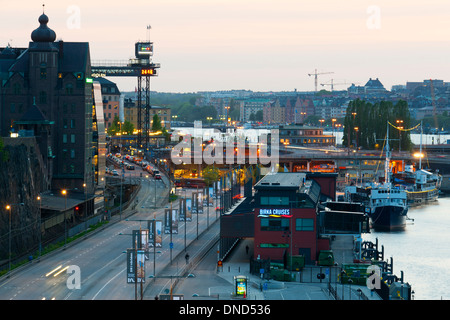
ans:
x=187 y=258
x=246 y=249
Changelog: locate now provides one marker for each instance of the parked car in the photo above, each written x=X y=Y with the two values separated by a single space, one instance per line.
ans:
x=114 y=172
x=157 y=177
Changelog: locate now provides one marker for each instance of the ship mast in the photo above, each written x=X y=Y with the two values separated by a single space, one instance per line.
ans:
x=388 y=156
x=420 y=151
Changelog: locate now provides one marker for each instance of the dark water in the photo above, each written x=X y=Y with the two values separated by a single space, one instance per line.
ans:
x=422 y=250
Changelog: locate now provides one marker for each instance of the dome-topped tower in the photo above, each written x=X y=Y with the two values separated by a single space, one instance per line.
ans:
x=43 y=33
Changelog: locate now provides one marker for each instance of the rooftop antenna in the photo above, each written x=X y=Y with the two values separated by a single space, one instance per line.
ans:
x=148 y=32
x=43 y=7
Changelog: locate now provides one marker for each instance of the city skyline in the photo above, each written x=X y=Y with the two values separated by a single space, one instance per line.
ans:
x=252 y=45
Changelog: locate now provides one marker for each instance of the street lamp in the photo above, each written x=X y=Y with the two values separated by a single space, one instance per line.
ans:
x=8 y=207
x=85 y=207
x=64 y=193
x=40 y=226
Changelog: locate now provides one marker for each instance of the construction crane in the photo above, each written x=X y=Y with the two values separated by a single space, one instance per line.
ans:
x=436 y=124
x=332 y=84
x=315 y=74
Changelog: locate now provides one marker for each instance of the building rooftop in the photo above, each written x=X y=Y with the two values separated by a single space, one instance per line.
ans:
x=288 y=180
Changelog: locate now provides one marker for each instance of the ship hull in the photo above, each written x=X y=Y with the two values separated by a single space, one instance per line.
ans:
x=422 y=197
x=388 y=218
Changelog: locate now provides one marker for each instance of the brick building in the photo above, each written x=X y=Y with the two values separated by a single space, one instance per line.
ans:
x=52 y=80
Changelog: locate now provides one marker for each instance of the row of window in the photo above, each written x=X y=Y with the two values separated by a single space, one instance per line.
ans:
x=282 y=224
x=307 y=141
x=72 y=138
x=284 y=201
x=66 y=152
x=66 y=123
x=65 y=110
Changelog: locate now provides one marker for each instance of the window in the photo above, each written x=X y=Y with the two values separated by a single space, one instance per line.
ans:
x=303 y=224
x=72 y=123
x=43 y=73
x=274 y=224
x=17 y=88
x=64 y=138
x=72 y=138
x=275 y=201
x=13 y=108
x=65 y=123
x=42 y=97
x=274 y=245
x=69 y=88
x=72 y=153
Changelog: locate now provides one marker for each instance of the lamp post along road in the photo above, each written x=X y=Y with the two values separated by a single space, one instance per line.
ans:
x=64 y=192
x=40 y=226
x=8 y=207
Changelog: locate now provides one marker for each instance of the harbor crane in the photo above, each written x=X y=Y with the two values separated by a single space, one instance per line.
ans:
x=315 y=74
x=332 y=84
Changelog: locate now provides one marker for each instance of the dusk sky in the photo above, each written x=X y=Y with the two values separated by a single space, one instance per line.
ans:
x=263 y=45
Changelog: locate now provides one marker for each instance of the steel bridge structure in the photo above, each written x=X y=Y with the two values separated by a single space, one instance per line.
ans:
x=143 y=69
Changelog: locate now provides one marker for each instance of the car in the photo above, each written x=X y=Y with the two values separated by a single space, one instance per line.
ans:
x=130 y=167
x=157 y=177
x=114 y=172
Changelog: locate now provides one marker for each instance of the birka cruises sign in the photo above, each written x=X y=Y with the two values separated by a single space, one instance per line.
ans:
x=284 y=213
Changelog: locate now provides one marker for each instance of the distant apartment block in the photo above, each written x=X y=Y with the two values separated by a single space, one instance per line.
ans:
x=252 y=106
x=111 y=100
x=131 y=114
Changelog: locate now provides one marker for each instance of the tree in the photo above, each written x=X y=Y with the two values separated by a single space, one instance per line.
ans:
x=128 y=127
x=115 y=126
x=4 y=155
x=156 y=124
x=366 y=124
x=259 y=115
x=210 y=174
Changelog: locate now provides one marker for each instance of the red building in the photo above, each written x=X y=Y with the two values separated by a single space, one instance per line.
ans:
x=285 y=217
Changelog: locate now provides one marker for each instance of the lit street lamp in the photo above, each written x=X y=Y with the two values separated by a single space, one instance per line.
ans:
x=8 y=207
x=40 y=227
x=64 y=192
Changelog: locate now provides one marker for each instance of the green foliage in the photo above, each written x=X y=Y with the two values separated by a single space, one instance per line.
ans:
x=4 y=156
x=210 y=174
x=116 y=127
x=365 y=124
x=156 y=124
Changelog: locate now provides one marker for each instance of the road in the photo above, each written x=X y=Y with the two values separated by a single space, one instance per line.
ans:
x=101 y=256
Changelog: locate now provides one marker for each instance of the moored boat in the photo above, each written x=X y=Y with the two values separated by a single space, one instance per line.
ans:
x=385 y=204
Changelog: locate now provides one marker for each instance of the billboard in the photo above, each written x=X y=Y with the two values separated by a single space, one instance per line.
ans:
x=155 y=233
x=135 y=266
x=171 y=221
x=143 y=49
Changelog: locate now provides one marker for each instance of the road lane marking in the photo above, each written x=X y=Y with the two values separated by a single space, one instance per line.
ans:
x=95 y=296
